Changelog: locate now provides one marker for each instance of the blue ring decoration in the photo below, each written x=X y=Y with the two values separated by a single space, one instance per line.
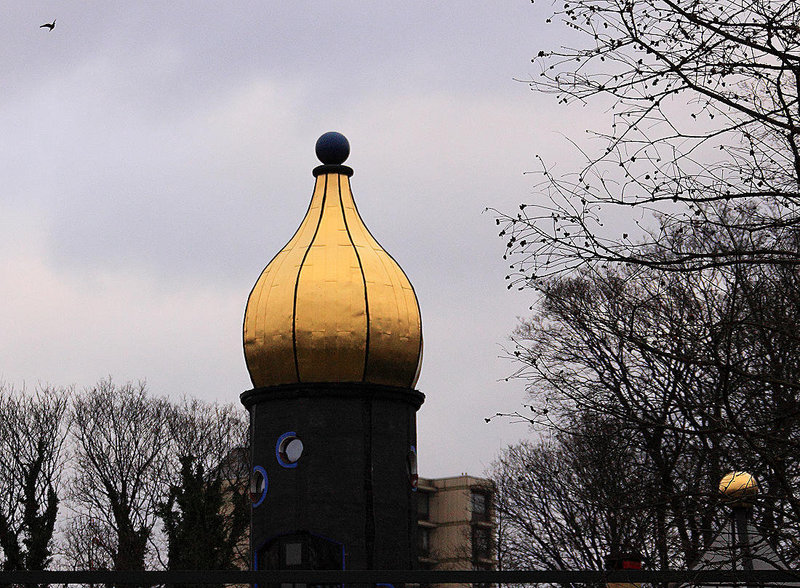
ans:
x=281 y=439
x=263 y=472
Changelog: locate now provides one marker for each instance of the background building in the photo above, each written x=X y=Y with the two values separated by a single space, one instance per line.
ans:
x=456 y=522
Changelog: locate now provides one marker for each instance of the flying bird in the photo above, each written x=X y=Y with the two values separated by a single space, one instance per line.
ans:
x=49 y=25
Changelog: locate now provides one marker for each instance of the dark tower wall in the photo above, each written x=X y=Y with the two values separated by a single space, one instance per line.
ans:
x=352 y=485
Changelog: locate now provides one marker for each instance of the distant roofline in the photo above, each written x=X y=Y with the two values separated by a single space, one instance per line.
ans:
x=469 y=482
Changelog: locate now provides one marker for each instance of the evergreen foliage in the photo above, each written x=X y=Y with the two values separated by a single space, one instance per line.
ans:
x=205 y=519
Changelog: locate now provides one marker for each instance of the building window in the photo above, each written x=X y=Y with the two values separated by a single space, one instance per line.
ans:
x=288 y=450
x=480 y=506
x=301 y=551
x=258 y=486
x=411 y=464
x=481 y=543
x=423 y=506
x=424 y=536
x=293 y=553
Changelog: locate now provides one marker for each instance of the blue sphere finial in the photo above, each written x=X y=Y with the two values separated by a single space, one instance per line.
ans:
x=332 y=148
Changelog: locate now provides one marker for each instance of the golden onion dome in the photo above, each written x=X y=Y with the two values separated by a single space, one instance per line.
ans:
x=738 y=488
x=332 y=305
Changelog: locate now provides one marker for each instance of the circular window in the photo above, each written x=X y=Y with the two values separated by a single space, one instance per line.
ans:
x=288 y=450
x=413 y=477
x=293 y=451
x=258 y=486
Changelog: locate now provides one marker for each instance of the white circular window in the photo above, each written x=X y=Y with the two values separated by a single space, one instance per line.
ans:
x=288 y=450
x=293 y=451
x=258 y=486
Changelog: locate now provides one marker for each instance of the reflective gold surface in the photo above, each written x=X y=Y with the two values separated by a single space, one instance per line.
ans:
x=333 y=306
x=738 y=488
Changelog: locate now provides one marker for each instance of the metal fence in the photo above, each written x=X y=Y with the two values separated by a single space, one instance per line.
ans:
x=399 y=577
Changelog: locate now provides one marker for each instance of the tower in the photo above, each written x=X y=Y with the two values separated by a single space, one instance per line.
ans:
x=739 y=545
x=333 y=344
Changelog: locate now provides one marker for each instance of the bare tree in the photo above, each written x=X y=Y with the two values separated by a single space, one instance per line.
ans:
x=210 y=433
x=704 y=132
x=569 y=500
x=121 y=458
x=89 y=542
x=685 y=326
x=698 y=370
x=32 y=438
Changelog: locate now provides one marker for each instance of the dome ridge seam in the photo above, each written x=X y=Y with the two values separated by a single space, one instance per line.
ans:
x=297 y=279
x=363 y=280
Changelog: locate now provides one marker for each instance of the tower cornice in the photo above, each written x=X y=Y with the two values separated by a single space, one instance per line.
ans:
x=333 y=389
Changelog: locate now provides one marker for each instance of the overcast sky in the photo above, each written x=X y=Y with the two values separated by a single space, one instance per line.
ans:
x=154 y=156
